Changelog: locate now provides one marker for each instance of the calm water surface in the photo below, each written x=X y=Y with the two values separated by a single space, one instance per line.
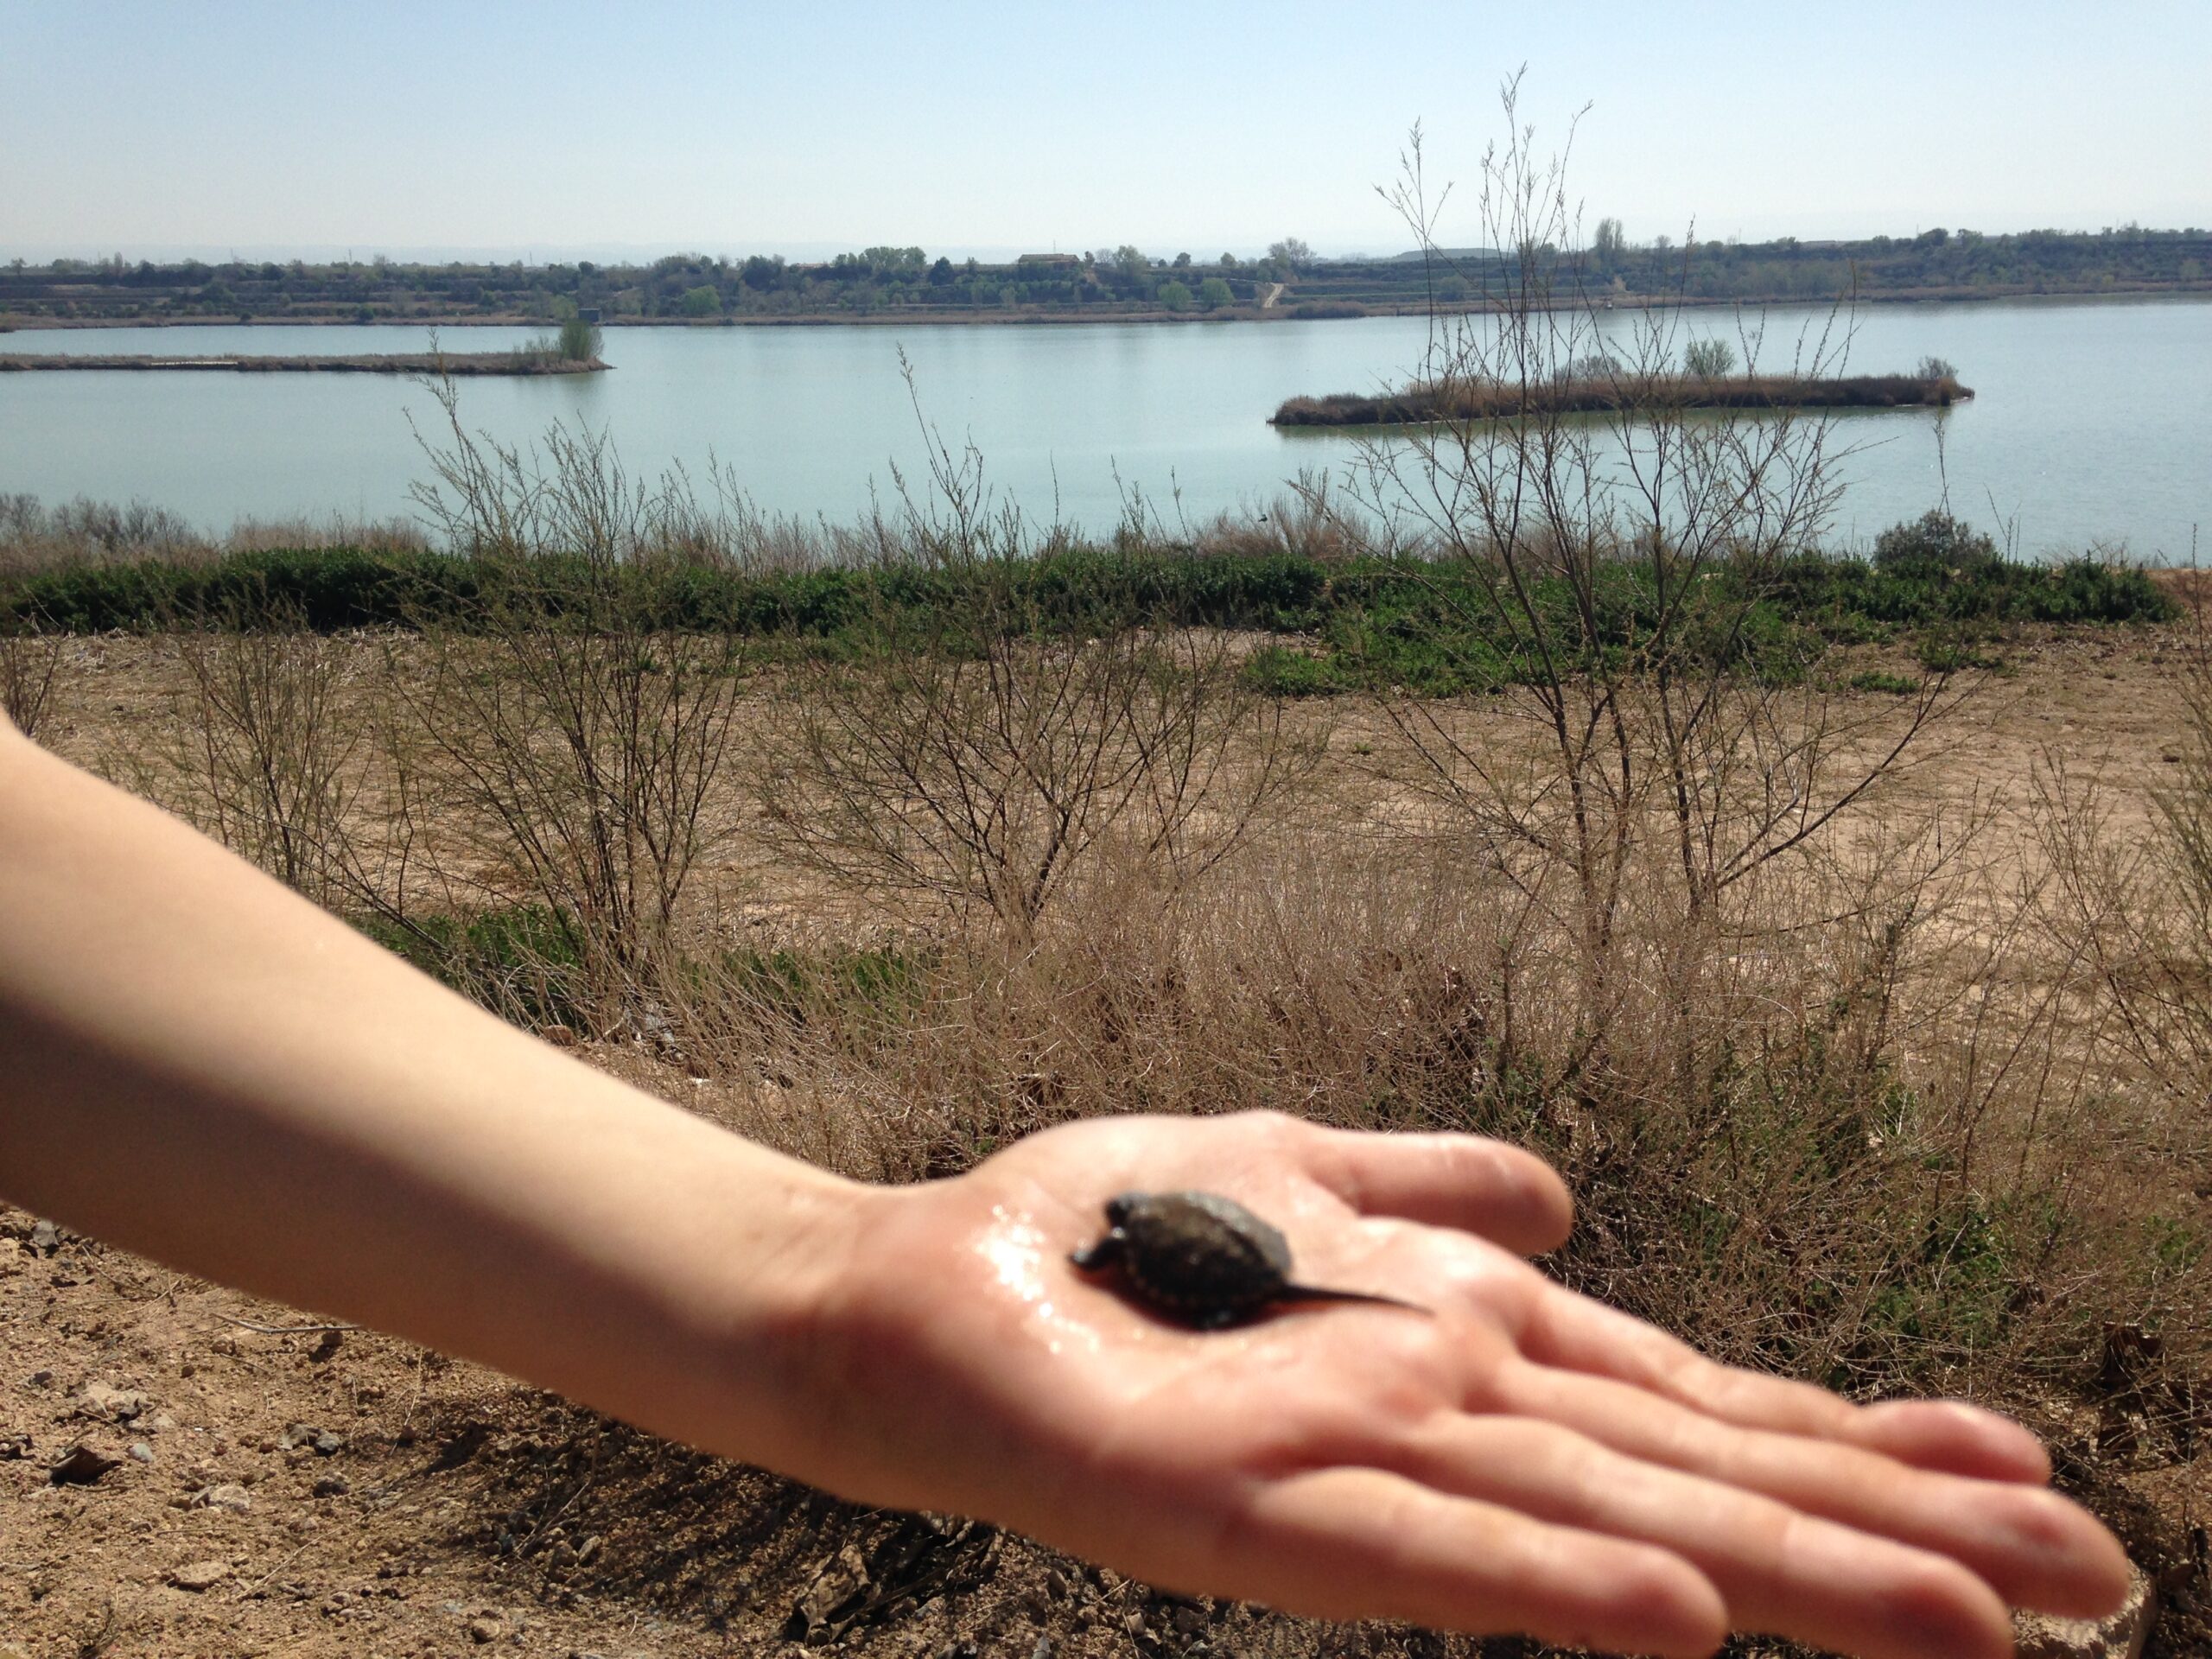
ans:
x=2093 y=422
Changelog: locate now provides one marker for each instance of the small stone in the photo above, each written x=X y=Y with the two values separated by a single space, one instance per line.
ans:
x=332 y=1486
x=104 y=1402
x=46 y=1238
x=197 y=1576
x=2118 y=1636
x=80 y=1466
x=140 y=1450
x=161 y=1422
x=228 y=1496
x=484 y=1629
x=38 y=1380
x=15 y=1446
x=328 y=1444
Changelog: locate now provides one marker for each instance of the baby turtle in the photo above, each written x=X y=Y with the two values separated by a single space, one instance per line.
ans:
x=1203 y=1259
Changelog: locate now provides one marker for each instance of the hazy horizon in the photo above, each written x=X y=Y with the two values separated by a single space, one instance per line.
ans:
x=797 y=252
x=548 y=132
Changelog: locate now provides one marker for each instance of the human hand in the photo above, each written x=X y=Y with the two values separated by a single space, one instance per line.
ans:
x=1526 y=1459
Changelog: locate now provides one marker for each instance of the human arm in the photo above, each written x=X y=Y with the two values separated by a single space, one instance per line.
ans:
x=307 y=1117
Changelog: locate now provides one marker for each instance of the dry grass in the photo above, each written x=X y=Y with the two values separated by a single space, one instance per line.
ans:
x=35 y=538
x=1915 y=1108
x=1920 y=1105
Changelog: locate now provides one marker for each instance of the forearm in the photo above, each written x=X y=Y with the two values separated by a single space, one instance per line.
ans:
x=201 y=1065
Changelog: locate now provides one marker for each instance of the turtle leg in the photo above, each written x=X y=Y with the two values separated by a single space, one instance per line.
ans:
x=1219 y=1318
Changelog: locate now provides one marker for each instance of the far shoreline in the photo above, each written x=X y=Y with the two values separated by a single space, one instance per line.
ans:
x=518 y=364
x=1285 y=312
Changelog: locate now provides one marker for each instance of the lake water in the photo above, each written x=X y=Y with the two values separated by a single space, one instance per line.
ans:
x=2092 y=421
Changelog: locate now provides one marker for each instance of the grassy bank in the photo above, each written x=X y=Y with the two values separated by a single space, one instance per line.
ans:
x=1340 y=624
x=1479 y=401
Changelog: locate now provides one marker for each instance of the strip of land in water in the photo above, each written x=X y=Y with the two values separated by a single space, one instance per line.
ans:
x=432 y=363
x=1479 y=400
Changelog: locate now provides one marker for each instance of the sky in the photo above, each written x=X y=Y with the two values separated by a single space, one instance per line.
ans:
x=559 y=130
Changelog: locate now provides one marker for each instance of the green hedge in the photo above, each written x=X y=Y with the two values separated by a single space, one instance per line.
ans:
x=1425 y=627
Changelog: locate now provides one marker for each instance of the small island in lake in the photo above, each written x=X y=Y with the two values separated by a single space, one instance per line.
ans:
x=1478 y=400
x=429 y=363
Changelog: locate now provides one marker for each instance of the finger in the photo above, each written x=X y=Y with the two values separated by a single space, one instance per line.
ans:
x=2034 y=1547
x=1780 y=1571
x=1955 y=1437
x=1359 y=1543
x=1575 y=1333
x=1507 y=1196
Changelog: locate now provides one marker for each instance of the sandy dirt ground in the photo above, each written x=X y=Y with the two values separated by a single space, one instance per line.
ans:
x=186 y=1472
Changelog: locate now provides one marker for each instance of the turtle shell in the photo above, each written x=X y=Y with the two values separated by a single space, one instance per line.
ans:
x=1197 y=1254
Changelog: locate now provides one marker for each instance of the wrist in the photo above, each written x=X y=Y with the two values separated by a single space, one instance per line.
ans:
x=764 y=1253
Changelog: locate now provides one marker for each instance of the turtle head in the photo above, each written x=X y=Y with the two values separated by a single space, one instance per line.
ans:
x=1107 y=1252
x=1122 y=1205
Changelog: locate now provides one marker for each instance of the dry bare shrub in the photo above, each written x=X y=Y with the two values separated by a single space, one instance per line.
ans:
x=2130 y=915
x=1303 y=521
x=1873 y=1177
x=574 y=740
x=274 y=729
x=983 y=744
x=1613 y=571
x=991 y=782
x=252 y=535
x=570 y=495
x=35 y=538
x=2181 y=992
x=28 y=664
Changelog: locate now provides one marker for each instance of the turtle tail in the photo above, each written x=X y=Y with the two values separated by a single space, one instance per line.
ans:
x=1316 y=1294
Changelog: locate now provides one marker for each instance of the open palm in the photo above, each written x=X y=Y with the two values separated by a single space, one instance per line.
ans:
x=1521 y=1458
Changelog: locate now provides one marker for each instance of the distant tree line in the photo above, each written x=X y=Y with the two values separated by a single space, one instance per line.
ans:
x=687 y=287
x=2128 y=258
x=698 y=288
